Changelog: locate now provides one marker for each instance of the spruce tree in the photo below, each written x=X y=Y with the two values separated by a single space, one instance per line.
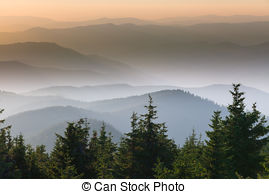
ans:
x=215 y=158
x=72 y=149
x=18 y=155
x=124 y=158
x=105 y=155
x=93 y=153
x=245 y=135
x=189 y=160
x=156 y=144
x=161 y=171
x=37 y=162
x=6 y=143
x=147 y=143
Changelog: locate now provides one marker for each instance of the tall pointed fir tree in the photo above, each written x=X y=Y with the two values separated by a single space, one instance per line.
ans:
x=146 y=144
x=157 y=145
x=93 y=152
x=6 y=143
x=71 y=151
x=125 y=162
x=105 y=155
x=245 y=137
x=37 y=162
x=215 y=159
x=18 y=155
x=188 y=163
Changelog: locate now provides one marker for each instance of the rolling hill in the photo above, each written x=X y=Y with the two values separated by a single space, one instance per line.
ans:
x=79 y=97
x=42 y=64
x=15 y=103
x=46 y=54
x=39 y=126
x=96 y=92
x=18 y=76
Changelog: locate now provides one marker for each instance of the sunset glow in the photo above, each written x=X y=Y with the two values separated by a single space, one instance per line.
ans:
x=148 y=9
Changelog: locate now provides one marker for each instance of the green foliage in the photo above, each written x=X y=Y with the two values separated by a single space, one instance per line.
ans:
x=215 y=158
x=146 y=144
x=37 y=162
x=124 y=159
x=265 y=173
x=77 y=155
x=245 y=135
x=6 y=164
x=161 y=171
x=72 y=149
x=188 y=163
x=105 y=155
x=235 y=144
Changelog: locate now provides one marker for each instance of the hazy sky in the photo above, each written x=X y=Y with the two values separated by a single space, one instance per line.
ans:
x=85 y=9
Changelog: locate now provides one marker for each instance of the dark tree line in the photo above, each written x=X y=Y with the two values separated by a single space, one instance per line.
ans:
x=235 y=147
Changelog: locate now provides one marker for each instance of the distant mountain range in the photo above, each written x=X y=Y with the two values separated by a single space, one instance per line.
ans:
x=97 y=92
x=33 y=65
x=82 y=38
x=219 y=94
x=68 y=96
x=15 y=103
x=46 y=54
x=205 y=43
x=212 y=19
x=81 y=96
x=18 y=76
x=20 y=23
x=206 y=52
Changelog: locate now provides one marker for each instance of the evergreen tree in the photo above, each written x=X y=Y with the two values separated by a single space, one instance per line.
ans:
x=144 y=145
x=93 y=152
x=265 y=172
x=18 y=155
x=38 y=162
x=70 y=171
x=32 y=163
x=72 y=149
x=6 y=163
x=188 y=164
x=245 y=135
x=58 y=159
x=125 y=160
x=161 y=171
x=216 y=162
x=105 y=155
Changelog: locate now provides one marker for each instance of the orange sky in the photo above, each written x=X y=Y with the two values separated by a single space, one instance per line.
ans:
x=147 y=9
